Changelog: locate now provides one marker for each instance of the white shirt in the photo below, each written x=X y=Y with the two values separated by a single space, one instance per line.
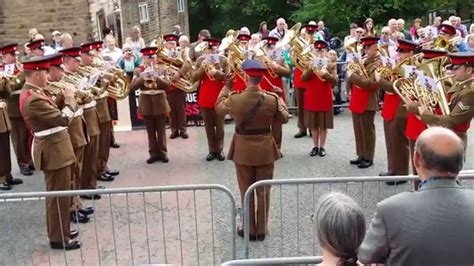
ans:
x=115 y=55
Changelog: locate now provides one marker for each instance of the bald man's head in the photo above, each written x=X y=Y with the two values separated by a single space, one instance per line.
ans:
x=439 y=150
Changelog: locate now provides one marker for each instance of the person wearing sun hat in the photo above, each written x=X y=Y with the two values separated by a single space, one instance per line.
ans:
x=253 y=148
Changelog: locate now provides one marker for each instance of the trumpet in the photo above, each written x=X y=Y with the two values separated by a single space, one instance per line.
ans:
x=55 y=89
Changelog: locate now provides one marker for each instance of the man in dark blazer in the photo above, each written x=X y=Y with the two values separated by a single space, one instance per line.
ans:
x=431 y=226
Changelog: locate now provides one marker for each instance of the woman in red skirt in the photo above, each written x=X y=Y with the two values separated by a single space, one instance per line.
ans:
x=318 y=97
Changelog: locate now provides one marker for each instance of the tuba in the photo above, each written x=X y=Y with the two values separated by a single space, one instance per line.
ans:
x=434 y=68
x=173 y=65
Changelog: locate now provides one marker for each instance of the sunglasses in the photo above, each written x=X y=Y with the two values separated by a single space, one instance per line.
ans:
x=359 y=31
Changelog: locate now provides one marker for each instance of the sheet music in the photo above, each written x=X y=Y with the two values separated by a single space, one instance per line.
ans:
x=321 y=63
x=212 y=58
x=411 y=72
x=83 y=84
x=388 y=62
x=9 y=69
x=353 y=57
x=150 y=73
x=429 y=83
x=275 y=54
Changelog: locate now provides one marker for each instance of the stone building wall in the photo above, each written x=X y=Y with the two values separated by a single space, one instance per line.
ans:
x=18 y=16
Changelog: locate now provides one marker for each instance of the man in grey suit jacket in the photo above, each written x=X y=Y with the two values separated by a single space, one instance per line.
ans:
x=431 y=226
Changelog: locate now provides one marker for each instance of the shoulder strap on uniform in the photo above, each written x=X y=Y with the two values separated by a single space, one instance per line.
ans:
x=252 y=112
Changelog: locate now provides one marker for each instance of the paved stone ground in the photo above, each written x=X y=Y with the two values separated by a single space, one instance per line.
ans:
x=153 y=229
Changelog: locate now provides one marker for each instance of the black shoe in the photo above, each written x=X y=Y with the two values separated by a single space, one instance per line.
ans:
x=174 y=135
x=77 y=217
x=105 y=177
x=163 y=159
x=31 y=167
x=357 y=161
x=314 y=152
x=5 y=186
x=260 y=237
x=385 y=174
x=14 y=181
x=87 y=211
x=365 y=164
x=300 y=134
x=211 y=156
x=151 y=160
x=114 y=145
x=395 y=183
x=184 y=134
x=91 y=197
x=220 y=156
x=100 y=187
x=69 y=245
x=73 y=234
x=26 y=171
x=112 y=172
x=322 y=152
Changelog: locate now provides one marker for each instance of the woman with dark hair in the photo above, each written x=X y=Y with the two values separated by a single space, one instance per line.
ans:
x=369 y=28
x=414 y=29
x=263 y=30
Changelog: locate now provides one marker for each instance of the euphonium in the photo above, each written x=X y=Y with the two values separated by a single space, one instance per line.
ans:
x=356 y=67
x=182 y=83
x=118 y=84
x=434 y=68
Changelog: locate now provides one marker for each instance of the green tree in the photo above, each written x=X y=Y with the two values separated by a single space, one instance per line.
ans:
x=338 y=14
x=220 y=15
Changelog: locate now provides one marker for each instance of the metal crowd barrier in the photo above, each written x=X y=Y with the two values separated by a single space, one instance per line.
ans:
x=277 y=261
x=180 y=225
x=290 y=230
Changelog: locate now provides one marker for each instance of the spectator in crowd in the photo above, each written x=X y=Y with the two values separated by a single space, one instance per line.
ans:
x=470 y=42
x=111 y=53
x=385 y=37
x=392 y=24
x=129 y=60
x=340 y=227
x=56 y=41
x=460 y=27
x=279 y=31
x=401 y=28
x=319 y=34
x=28 y=54
x=324 y=31
x=183 y=43
x=425 y=39
x=332 y=55
x=471 y=29
x=107 y=31
x=432 y=30
x=414 y=29
x=254 y=39
x=32 y=32
x=263 y=30
x=244 y=30
x=47 y=49
x=431 y=226
x=203 y=34
x=352 y=32
x=177 y=30
x=135 y=40
x=66 y=41
x=369 y=28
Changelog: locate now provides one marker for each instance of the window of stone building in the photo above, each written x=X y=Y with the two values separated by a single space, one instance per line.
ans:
x=143 y=13
x=181 y=6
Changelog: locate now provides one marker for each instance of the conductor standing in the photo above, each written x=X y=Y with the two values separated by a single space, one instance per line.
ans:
x=253 y=148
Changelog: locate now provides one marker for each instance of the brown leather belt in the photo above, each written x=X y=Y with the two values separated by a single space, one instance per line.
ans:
x=251 y=132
